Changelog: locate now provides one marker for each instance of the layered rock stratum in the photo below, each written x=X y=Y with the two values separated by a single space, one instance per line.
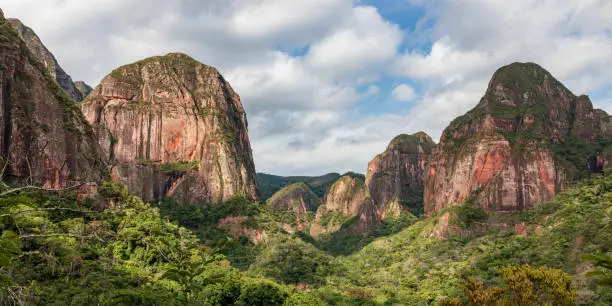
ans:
x=527 y=139
x=172 y=126
x=45 y=139
x=395 y=177
x=43 y=55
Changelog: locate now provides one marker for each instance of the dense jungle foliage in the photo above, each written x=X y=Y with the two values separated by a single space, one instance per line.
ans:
x=113 y=249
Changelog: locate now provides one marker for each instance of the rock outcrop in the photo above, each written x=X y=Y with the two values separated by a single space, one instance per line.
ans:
x=45 y=139
x=172 y=126
x=43 y=55
x=83 y=88
x=527 y=139
x=296 y=197
x=347 y=198
x=395 y=177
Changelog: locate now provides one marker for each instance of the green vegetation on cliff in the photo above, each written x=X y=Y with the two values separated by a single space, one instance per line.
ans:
x=56 y=250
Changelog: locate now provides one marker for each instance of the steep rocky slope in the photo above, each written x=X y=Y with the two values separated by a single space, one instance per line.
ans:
x=173 y=127
x=347 y=198
x=42 y=54
x=83 y=88
x=269 y=184
x=527 y=139
x=297 y=198
x=45 y=138
x=395 y=177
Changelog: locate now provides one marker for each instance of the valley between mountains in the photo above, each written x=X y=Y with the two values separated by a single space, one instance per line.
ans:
x=142 y=190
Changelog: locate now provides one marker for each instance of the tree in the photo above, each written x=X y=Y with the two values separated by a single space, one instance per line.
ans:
x=522 y=285
x=603 y=276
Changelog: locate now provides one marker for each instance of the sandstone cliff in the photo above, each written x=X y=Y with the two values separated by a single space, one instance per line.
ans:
x=45 y=138
x=43 y=55
x=528 y=138
x=295 y=197
x=173 y=127
x=347 y=198
x=395 y=177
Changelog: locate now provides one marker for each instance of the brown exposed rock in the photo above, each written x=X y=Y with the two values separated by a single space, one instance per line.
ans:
x=515 y=149
x=346 y=195
x=347 y=198
x=234 y=226
x=45 y=138
x=395 y=177
x=297 y=198
x=520 y=229
x=173 y=127
x=42 y=54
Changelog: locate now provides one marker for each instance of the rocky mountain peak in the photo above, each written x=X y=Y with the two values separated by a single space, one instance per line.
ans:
x=42 y=54
x=83 y=88
x=45 y=139
x=173 y=126
x=414 y=143
x=527 y=139
x=296 y=197
x=395 y=177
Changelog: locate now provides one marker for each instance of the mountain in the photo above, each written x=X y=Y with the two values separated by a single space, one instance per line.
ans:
x=83 y=88
x=43 y=55
x=172 y=126
x=297 y=198
x=270 y=184
x=527 y=139
x=395 y=177
x=45 y=138
x=347 y=198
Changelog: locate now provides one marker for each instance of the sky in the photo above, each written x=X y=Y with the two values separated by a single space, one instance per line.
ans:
x=328 y=83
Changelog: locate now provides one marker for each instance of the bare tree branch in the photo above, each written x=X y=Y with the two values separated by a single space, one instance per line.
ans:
x=39 y=188
x=53 y=208
x=55 y=235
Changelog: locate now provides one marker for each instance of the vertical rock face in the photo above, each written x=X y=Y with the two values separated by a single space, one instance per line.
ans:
x=295 y=197
x=395 y=177
x=346 y=195
x=347 y=198
x=528 y=138
x=45 y=138
x=42 y=54
x=173 y=127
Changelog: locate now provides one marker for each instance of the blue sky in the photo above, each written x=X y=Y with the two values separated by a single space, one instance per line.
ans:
x=328 y=83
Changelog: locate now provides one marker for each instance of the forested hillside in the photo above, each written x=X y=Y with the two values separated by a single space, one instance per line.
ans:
x=115 y=250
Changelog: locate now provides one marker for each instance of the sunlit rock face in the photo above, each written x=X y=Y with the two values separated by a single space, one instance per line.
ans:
x=395 y=177
x=527 y=139
x=172 y=126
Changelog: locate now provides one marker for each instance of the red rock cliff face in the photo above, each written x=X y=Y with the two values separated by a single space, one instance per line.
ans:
x=44 y=137
x=173 y=127
x=515 y=149
x=395 y=177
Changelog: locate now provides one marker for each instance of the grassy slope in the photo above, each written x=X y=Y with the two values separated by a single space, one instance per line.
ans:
x=408 y=267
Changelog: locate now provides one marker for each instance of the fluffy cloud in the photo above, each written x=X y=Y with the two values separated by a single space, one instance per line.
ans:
x=403 y=93
x=359 y=47
x=324 y=108
x=471 y=39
